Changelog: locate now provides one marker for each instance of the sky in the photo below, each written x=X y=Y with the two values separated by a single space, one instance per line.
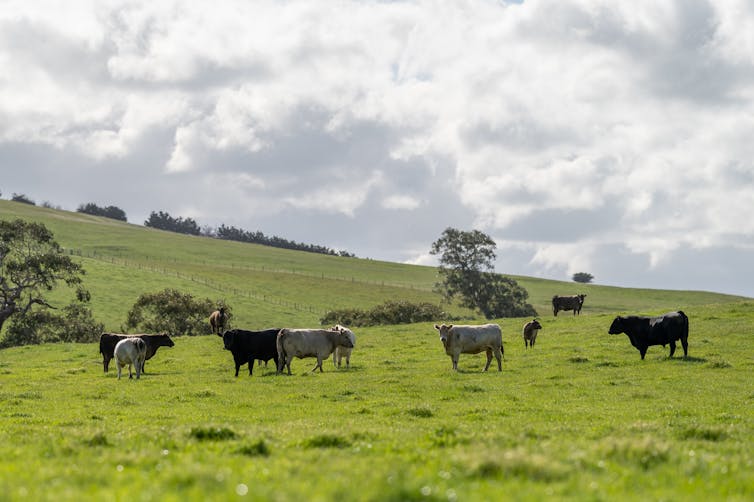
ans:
x=613 y=138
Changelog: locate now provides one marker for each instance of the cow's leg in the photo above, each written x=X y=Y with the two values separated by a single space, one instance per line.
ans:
x=499 y=357
x=105 y=362
x=348 y=361
x=685 y=343
x=643 y=351
x=118 y=365
x=251 y=365
x=489 y=359
x=672 y=348
x=288 y=363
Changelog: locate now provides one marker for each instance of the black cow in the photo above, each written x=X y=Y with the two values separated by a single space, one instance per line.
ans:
x=108 y=341
x=567 y=303
x=246 y=346
x=662 y=330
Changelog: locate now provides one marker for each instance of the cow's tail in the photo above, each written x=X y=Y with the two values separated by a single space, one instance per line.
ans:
x=281 y=352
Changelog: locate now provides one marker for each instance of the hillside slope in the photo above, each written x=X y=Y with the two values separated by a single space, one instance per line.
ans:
x=270 y=286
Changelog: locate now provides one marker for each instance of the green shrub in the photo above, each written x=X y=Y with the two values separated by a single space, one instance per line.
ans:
x=388 y=313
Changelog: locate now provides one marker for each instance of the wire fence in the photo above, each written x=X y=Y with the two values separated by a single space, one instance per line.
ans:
x=153 y=265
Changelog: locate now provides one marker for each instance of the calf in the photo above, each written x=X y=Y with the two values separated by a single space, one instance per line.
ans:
x=567 y=303
x=319 y=343
x=217 y=321
x=341 y=351
x=646 y=331
x=130 y=351
x=246 y=346
x=108 y=341
x=460 y=339
x=530 y=331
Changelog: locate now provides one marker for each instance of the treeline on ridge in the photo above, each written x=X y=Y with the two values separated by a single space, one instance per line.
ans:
x=164 y=221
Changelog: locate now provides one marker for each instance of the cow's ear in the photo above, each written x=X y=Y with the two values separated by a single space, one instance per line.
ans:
x=450 y=326
x=437 y=327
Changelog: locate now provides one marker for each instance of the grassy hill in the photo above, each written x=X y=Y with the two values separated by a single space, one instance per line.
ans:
x=577 y=417
x=270 y=286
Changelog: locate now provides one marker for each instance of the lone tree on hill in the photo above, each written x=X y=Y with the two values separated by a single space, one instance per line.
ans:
x=582 y=277
x=31 y=264
x=466 y=263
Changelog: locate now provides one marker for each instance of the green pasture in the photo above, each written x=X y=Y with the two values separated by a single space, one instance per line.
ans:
x=577 y=417
x=269 y=286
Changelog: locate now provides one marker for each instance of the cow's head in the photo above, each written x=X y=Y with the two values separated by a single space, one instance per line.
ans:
x=617 y=326
x=228 y=339
x=343 y=340
x=165 y=340
x=535 y=324
x=444 y=330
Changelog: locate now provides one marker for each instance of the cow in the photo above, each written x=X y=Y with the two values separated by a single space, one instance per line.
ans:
x=246 y=346
x=319 y=343
x=461 y=339
x=131 y=350
x=341 y=351
x=217 y=321
x=662 y=330
x=108 y=341
x=530 y=331
x=567 y=303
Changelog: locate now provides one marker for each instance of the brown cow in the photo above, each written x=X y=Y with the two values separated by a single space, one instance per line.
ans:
x=530 y=331
x=217 y=321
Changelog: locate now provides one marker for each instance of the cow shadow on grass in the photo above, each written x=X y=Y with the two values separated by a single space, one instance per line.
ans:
x=688 y=359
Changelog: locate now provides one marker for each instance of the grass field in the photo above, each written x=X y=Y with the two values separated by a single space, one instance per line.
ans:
x=577 y=417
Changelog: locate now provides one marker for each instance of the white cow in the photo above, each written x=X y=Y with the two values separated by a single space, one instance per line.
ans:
x=130 y=351
x=460 y=339
x=319 y=343
x=341 y=351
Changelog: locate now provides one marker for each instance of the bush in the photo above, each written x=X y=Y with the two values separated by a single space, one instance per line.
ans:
x=171 y=311
x=111 y=212
x=582 y=277
x=19 y=197
x=76 y=324
x=391 y=312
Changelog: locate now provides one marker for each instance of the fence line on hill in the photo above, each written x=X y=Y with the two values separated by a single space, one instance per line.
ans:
x=262 y=268
x=301 y=307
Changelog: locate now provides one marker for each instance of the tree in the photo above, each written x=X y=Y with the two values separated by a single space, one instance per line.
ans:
x=466 y=261
x=173 y=312
x=164 y=221
x=32 y=263
x=19 y=197
x=112 y=212
x=582 y=277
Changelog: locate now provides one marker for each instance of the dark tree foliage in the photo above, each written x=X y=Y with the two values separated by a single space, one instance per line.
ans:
x=74 y=324
x=240 y=235
x=582 y=277
x=164 y=221
x=31 y=265
x=111 y=212
x=19 y=197
x=390 y=312
x=173 y=312
x=466 y=261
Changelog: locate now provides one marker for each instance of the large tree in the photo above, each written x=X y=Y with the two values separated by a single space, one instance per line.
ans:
x=466 y=264
x=174 y=312
x=32 y=263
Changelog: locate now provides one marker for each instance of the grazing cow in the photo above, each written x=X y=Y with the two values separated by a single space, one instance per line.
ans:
x=460 y=339
x=567 y=303
x=341 y=351
x=246 y=346
x=662 y=330
x=108 y=341
x=217 y=321
x=319 y=343
x=130 y=351
x=530 y=331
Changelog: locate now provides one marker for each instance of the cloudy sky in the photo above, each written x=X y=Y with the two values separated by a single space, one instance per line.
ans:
x=615 y=138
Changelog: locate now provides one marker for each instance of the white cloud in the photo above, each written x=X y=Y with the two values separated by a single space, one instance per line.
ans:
x=570 y=127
